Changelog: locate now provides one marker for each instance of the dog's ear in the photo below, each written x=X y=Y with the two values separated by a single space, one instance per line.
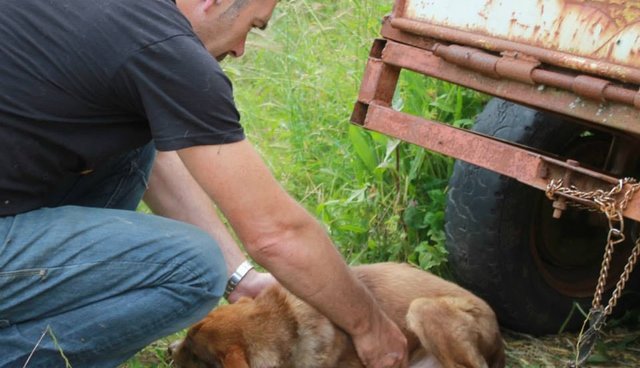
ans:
x=235 y=358
x=194 y=329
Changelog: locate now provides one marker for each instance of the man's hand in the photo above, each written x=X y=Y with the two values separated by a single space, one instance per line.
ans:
x=251 y=285
x=384 y=346
x=280 y=235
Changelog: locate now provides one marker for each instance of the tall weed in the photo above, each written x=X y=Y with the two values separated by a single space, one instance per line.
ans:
x=381 y=199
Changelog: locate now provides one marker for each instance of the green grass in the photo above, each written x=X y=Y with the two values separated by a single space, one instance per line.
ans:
x=380 y=199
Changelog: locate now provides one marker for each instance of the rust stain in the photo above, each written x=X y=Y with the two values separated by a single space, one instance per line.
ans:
x=607 y=30
x=498 y=156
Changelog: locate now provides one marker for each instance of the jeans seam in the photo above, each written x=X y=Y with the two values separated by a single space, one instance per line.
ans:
x=116 y=191
x=10 y=231
x=175 y=266
x=134 y=169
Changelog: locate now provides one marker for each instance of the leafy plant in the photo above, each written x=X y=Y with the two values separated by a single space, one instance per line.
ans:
x=381 y=199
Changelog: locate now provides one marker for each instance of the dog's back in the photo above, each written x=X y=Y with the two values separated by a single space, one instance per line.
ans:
x=451 y=323
x=445 y=325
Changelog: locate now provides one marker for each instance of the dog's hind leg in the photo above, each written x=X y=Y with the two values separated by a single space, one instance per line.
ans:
x=449 y=330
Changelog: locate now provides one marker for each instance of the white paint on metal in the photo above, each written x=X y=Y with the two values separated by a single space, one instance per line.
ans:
x=601 y=29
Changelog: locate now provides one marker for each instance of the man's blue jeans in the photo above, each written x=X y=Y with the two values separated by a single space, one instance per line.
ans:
x=104 y=279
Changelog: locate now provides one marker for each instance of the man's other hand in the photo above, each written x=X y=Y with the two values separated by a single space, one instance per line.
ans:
x=383 y=346
x=251 y=285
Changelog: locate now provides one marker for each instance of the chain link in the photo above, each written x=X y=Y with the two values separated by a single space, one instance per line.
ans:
x=605 y=202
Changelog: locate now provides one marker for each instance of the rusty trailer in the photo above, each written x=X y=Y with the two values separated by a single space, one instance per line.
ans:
x=568 y=69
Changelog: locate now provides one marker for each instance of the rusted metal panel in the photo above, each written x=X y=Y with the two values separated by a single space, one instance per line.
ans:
x=502 y=157
x=595 y=36
x=623 y=117
x=510 y=50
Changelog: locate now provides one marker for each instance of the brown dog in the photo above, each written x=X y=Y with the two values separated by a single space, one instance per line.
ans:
x=445 y=325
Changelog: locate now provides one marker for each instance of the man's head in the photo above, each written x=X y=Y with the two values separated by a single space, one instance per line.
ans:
x=223 y=25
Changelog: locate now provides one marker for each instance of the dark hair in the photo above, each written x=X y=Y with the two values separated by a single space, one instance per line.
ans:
x=235 y=7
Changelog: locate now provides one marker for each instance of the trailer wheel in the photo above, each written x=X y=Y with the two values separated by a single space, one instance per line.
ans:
x=502 y=241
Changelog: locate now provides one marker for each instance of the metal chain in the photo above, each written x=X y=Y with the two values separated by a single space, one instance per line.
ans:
x=604 y=201
x=628 y=268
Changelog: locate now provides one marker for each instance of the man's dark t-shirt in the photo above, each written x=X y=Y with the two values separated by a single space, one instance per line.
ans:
x=84 y=80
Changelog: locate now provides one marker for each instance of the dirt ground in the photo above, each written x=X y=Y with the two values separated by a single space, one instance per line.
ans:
x=619 y=347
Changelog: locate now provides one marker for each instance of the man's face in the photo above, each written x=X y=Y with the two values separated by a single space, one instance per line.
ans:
x=223 y=25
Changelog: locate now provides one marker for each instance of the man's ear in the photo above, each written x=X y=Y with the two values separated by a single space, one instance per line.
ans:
x=235 y=358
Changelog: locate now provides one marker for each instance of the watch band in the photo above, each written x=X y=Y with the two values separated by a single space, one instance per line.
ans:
x=236 y=277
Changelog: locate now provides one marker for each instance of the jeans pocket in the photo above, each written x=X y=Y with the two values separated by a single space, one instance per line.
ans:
x=9 y=276
x=12 y=282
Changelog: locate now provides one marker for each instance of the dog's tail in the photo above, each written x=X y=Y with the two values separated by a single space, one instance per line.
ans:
x=458 y=331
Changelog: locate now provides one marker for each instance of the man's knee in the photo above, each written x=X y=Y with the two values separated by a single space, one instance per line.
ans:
x=200 y=263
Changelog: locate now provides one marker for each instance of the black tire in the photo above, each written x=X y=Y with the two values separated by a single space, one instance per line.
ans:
x=502 y=241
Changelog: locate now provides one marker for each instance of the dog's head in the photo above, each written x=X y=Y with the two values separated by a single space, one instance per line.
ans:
x=221 y=338
x=218 y=340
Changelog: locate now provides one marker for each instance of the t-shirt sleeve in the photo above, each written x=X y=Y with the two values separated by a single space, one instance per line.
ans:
x=182 y=92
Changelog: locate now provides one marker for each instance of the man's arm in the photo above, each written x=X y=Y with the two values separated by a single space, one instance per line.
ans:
x=175 y=194
x=284 y=238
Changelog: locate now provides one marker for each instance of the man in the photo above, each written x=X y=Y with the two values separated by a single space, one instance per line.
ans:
x=88 y=91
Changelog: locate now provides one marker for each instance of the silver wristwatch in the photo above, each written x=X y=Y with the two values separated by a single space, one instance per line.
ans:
x=236 y=277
